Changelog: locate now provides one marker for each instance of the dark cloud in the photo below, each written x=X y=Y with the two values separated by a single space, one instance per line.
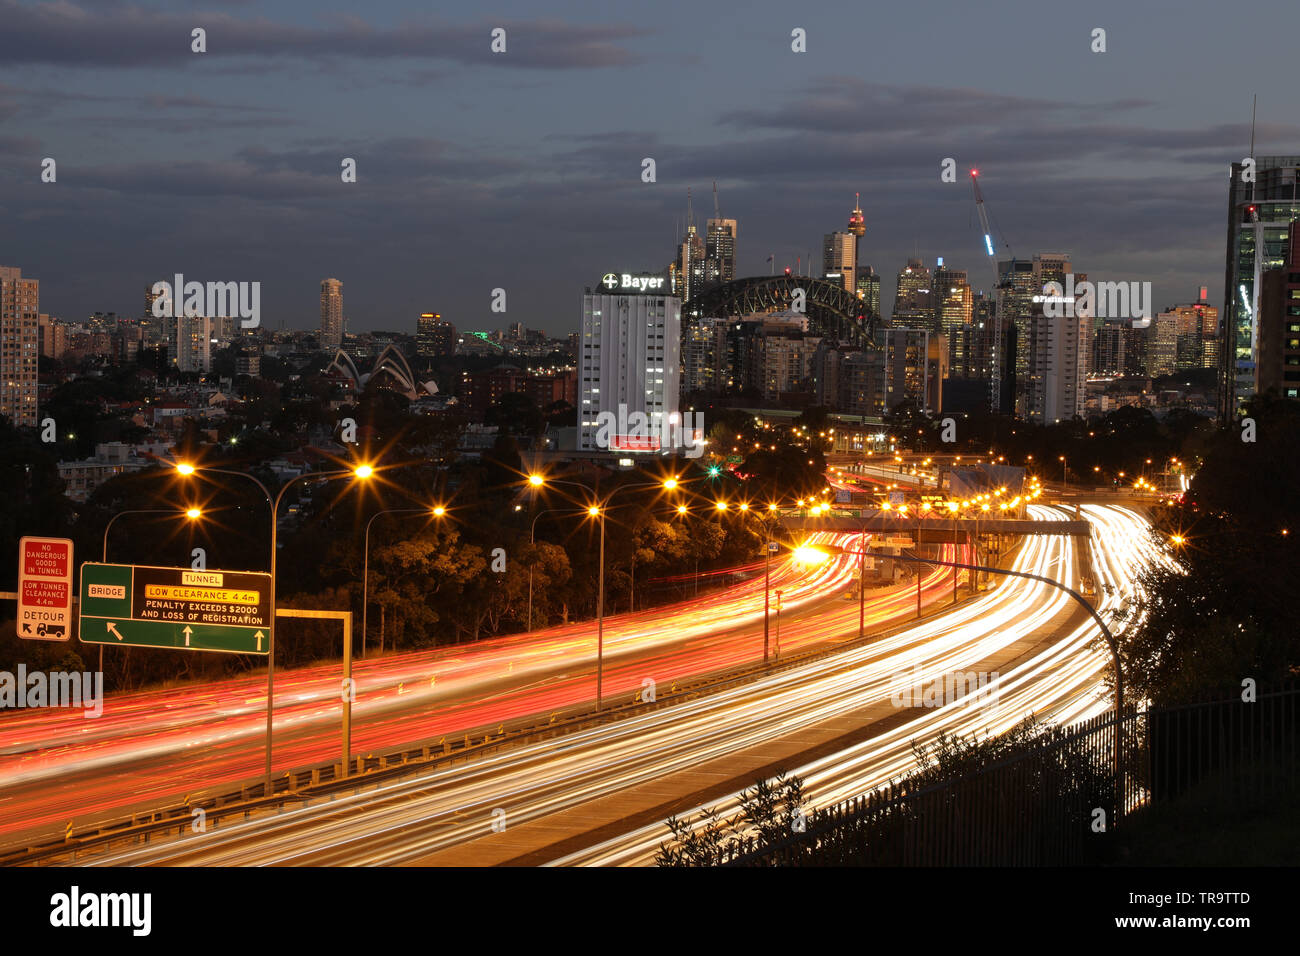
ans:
x=128 y=36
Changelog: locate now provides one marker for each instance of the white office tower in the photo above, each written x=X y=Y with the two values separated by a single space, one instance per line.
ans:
x=630 y=363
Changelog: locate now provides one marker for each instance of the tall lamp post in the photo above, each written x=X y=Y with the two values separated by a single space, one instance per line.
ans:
x=1109 y=637
x=953 y=509
x=193 y=514
x=362 y=472
x=532 y=539
x=437 y=512
x=597 y=510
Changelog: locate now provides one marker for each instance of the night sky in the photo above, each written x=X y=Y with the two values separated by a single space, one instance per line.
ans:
x=522 y=170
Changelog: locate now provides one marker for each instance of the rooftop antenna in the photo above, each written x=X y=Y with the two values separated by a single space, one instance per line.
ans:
x=716 y=214
x=690 y=215
x=1254 y=97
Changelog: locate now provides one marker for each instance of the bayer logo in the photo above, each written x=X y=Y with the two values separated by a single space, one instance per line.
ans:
x=610 y=280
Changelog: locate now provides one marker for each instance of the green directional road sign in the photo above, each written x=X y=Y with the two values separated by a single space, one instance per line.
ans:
x=142 y=606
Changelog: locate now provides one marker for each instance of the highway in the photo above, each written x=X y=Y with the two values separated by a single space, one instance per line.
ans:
x=151 y=748
x=417 y=818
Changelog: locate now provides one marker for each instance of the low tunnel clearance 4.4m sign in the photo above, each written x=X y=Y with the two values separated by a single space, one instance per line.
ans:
x=143 y=606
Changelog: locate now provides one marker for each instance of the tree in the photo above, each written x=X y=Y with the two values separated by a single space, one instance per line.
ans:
x=769 y=813
x=422 y=580
x=1220 y=609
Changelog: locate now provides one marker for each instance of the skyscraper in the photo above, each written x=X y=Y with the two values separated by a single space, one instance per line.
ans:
x=1262 y=203
x=913 y=302
x=434 y=336
x=19 y=345
x=953 y=305
x=631 y=348
x=869 y=290
x=331 y=314
x=1194 y=331
x=1015 y=295
x=839 y=259
x=720 y=251
x=1279 y=324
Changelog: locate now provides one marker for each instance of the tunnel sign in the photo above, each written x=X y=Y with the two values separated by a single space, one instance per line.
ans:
x=45 y=589
x=128 y=604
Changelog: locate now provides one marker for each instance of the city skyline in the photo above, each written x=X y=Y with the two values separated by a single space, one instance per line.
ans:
x=458 y=206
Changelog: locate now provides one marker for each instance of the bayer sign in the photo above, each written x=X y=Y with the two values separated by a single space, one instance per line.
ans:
x=630 y=282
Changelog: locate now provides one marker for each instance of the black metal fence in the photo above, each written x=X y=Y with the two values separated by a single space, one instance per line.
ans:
x=1048 y=804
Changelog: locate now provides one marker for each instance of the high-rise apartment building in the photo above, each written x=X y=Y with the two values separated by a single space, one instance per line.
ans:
x=19 y=346
x=862 y=389
x=1059 y=370
x=916 y=363
x=704 y=355
x=53 y=336
x=1262 y=203
x=194 y=335
x=630 y=362
x=787 y=358
x=331 y=314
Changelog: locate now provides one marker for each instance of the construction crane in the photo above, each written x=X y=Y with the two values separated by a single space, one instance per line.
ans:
x=984 y=224
x=995 y=368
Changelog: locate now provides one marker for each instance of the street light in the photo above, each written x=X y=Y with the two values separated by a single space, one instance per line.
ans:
x=193 y=514
x=532 y=540
x=438 y=511
x=362 y=472
x=598 y=511
x=807 y=555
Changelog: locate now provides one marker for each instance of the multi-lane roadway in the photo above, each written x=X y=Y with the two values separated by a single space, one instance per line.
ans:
x=590 y=797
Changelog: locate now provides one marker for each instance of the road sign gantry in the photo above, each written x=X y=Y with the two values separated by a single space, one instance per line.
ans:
x=143 y=606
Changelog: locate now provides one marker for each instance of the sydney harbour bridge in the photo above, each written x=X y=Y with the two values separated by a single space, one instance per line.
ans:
x=832 y=310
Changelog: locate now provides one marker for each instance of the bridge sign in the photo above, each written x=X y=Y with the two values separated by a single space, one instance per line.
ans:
x=142 y=606
x=45 y=589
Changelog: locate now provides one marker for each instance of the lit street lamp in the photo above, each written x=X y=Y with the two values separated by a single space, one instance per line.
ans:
x=597 y=511
x=193 y=514
x=532 y=539
x=361 y=472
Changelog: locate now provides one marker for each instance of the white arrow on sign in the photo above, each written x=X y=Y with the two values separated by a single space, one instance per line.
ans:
x=259 y=635
x=113 y=629
x=187 y=632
